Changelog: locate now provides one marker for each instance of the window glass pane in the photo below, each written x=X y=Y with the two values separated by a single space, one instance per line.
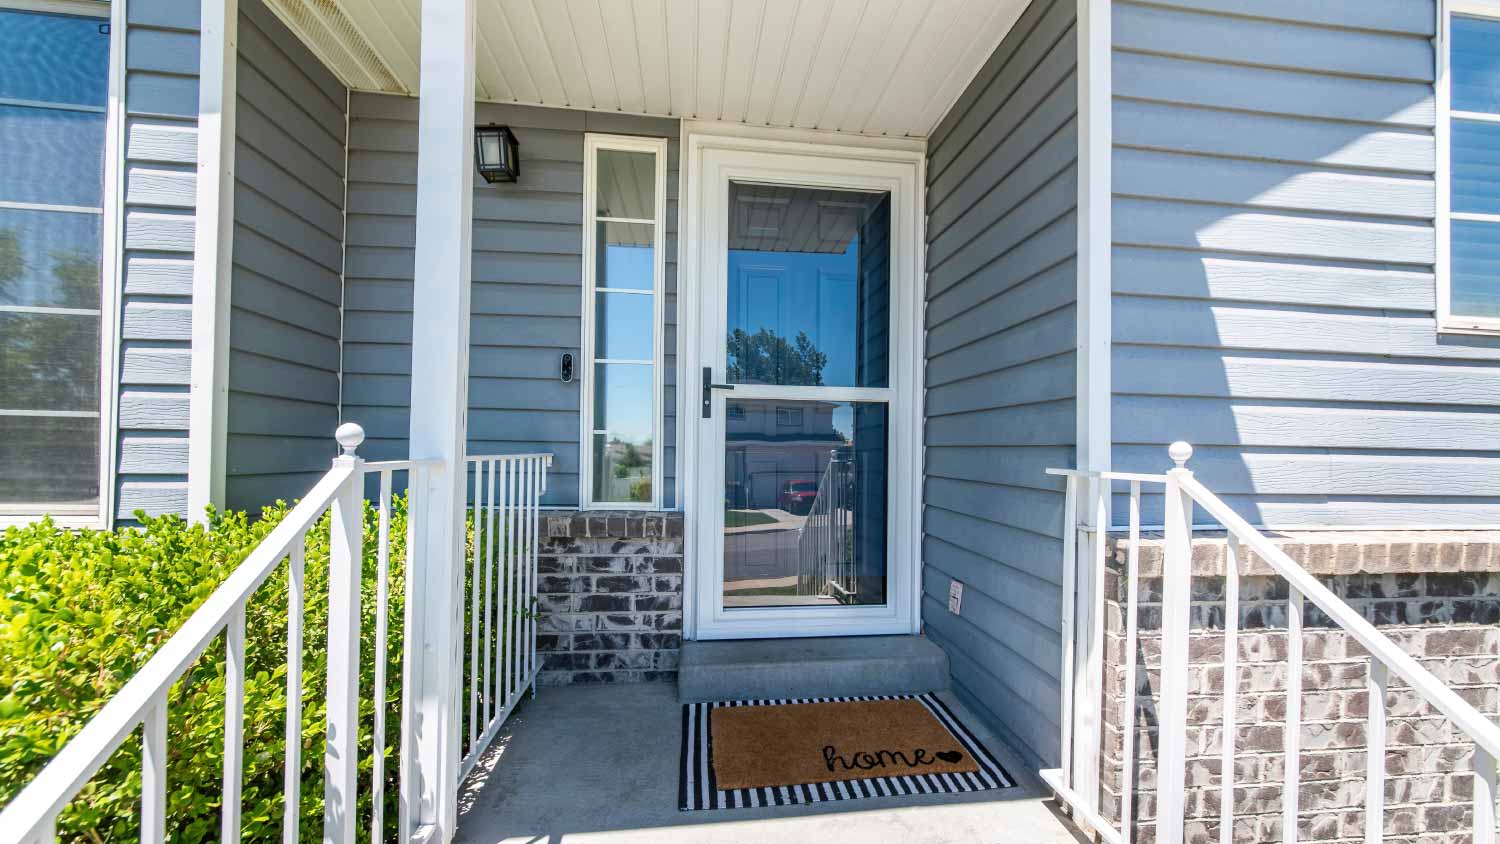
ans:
x=1476 y=166
x=809 y=286
x=53 y=58
x=627 y=256
x=1475 y=282
x=624 y=451
x=35 y=140
x=49 y=362
x=51 y=464
x=623 y=394
x=622 y=470
x=805 y=505
x=49 y=258
x=623 y=325
x=626 y=185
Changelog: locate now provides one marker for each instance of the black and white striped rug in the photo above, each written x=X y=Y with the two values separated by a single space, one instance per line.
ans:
x=697 y=788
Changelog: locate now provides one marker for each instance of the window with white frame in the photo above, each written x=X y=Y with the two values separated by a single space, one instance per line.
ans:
x=54 y=96
x=1469 y=167
x=620 y=463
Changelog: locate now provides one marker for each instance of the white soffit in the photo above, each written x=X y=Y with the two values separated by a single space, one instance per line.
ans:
x=870 y=67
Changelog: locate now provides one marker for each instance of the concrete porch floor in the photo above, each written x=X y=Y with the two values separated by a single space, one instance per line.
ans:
x=600 y=764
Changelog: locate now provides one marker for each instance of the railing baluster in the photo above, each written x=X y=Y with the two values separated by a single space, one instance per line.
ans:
x=1292 y=733
x=474 y=590
x=296 y=598
x=532 y=512
x=1171 y=753
x=1127 y=720
x=1375 y=753
x=1231 y=687
x=234 y=724
x=48 y=833
x=1069 y=585
x=488 y=466
x=407 y=792
x=513 y=651
x=1484 y=796
x=154 y=772
x=341 y=747
x=382 y=631
x=503 y=604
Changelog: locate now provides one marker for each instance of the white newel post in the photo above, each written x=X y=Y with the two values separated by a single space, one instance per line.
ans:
x=439 y=396
x=1171 y=709
x=345 y=562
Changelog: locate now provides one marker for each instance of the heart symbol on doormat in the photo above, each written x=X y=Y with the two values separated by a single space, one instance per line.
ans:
x=952 y=757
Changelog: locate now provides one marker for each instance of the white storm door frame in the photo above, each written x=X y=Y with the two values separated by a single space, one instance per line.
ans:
x=715 y=160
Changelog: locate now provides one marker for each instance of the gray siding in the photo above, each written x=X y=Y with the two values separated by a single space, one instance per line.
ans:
x=1273 y=286
x=161 y=105
x=288 y=263
x=527 y=277
x=1001 y=324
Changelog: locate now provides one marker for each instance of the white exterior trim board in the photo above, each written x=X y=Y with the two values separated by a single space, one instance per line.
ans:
x=213 y=248
x=592 y=144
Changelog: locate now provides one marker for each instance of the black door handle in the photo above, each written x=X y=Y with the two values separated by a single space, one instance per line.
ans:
x=708 y=387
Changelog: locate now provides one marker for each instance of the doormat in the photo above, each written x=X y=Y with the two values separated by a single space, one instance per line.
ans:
x=750 y=753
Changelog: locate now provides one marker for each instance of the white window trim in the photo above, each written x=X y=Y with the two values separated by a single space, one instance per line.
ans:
x=109 y=263
x=1447 y=321
x=592 y=144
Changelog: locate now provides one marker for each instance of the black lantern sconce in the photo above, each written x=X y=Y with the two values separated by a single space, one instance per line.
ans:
x=496 y=153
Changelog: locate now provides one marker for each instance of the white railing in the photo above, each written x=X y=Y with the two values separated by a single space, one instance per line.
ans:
x=502 y=576
x=825 y=555
x=506 y=529
x=1083 y=594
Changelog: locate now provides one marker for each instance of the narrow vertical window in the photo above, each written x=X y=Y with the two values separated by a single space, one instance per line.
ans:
x=54 y=80
x=623 y=267
x=1469 y=161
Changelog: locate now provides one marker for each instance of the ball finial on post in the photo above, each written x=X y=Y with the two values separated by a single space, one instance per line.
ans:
x=1180 y=452
x=349 y=435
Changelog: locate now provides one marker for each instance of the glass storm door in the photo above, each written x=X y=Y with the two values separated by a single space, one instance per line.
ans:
x=797 y=407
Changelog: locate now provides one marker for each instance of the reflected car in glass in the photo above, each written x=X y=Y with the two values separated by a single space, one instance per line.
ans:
x=796 y=497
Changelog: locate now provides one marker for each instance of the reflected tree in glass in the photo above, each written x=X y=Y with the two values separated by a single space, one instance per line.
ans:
x=765 y=358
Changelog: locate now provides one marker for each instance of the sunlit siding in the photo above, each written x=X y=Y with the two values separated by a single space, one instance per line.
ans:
x=1273 y=260
x=161 y=148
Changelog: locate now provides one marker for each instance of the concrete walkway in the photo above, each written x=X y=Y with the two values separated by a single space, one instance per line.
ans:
x=600 y=764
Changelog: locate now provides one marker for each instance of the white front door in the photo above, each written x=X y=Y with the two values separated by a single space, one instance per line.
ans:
x=804 y=462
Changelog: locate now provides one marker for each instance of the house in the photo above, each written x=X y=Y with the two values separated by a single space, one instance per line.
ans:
x=929 y=248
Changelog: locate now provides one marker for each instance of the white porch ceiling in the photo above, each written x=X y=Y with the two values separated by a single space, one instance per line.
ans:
x=872 y=67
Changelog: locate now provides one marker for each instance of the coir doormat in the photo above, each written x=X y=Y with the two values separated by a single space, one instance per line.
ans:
x=743 y=754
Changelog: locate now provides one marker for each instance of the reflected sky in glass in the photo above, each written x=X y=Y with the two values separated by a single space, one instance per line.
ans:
x=53 y=58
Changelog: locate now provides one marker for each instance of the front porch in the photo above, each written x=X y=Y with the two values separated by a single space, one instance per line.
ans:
x=600 y=764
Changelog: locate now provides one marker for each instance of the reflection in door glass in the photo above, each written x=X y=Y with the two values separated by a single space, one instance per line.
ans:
x=808 y=286
x=804 y=503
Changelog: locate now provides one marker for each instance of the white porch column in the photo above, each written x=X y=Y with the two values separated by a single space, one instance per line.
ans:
x=439 y=396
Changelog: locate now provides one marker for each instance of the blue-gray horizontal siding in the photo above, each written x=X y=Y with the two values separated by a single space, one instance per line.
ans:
x=161 y=149
x=288 y=260
x=1001 y=374
x=1273 y=281
x=526 y=299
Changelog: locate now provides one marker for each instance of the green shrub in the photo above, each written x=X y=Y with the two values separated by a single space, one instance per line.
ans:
x=81 y=611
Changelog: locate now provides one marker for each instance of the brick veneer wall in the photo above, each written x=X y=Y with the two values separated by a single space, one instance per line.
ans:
x=1436 y=594
x=610 y=596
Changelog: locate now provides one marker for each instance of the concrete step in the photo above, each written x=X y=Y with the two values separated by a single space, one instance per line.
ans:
x=745 y=669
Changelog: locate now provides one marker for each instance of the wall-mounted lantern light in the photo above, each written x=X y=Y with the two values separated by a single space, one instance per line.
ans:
x=496 y=153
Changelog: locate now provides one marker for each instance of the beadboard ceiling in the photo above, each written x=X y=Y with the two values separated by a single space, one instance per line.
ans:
x=870 y=67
